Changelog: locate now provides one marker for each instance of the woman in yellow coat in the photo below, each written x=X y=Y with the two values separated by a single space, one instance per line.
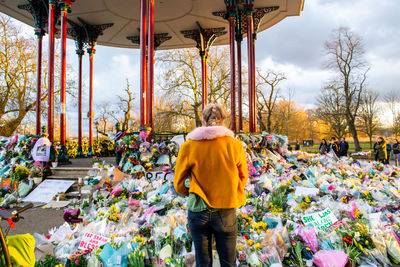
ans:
x=211 y=170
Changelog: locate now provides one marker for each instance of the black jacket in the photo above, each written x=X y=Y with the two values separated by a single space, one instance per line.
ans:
x=396 y=148
x=334 y=147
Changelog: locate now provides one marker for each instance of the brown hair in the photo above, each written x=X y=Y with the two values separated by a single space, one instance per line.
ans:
x=214 y=114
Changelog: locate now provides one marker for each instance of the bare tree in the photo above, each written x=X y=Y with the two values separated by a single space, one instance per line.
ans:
x=126 y=105
x=181 y=81
x=331 y=110
x=369 y=114
x=392 y=98
x=104 y=118
x=267 y=95
x=346 y=57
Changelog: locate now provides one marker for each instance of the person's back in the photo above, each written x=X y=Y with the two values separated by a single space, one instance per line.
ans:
x=216 y=166
x=214 y=157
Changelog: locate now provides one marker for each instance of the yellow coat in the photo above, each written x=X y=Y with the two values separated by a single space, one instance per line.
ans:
x=215 y=163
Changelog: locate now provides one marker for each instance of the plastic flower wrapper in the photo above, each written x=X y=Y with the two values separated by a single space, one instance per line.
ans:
x=330 y=258
x=272 y=241
x=309 y=237
x=380 y=251
x=145 y=153
x=393 y=247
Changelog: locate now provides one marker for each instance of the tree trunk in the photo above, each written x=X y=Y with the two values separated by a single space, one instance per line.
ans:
x=269 y=121
x=197 y=115
x=262 y=124
x=353 y=132
x=8 y=129
x=370 y=141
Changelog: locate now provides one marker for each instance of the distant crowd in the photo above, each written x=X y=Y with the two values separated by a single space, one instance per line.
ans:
x=382 y=149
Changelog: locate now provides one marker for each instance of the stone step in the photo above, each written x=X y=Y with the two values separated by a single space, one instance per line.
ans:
x=65 y=171
x=63 y=177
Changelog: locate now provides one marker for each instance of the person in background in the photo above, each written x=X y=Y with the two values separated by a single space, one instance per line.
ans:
x=334 y=146
x=344 y=147
x=211 y=170
x=323 y=147
x=297 y=147
x=381 y=150
x=388 y=150
x=396 y=153
x=376 y=150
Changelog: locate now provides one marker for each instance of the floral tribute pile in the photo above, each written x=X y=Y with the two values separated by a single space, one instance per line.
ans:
x=301 y=210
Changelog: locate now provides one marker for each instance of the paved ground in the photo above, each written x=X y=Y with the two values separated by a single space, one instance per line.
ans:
x=36 y=220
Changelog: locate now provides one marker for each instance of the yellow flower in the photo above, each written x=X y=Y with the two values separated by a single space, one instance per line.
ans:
x=250 y=242
x=257 y=246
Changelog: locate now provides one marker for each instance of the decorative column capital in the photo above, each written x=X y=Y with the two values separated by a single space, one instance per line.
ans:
x=91 y=51
x=39 y=32
x=65 y=5
x=204 y=38
x=80 y=52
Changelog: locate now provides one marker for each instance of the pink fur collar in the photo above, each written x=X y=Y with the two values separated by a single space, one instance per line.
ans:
x=208 y=133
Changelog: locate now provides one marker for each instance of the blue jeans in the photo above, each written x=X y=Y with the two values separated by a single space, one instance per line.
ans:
x=220 y=224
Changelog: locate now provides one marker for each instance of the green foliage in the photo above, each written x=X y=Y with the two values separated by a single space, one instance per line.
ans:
x=48 y=261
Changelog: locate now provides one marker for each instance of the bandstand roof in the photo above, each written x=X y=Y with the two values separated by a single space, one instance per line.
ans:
x=171 y=16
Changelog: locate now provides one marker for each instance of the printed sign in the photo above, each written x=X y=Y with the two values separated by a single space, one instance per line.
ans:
x=41 y=150
x=159 y=175
x=47 y=189
x=91 y=241
x=320 y=220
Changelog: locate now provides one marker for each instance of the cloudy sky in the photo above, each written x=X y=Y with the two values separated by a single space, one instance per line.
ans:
x=294 y=46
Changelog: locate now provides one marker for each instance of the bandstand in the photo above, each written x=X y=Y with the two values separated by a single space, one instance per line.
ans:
x=148 y=25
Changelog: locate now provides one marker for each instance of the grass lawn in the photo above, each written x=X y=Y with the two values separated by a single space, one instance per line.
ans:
x=364 y=146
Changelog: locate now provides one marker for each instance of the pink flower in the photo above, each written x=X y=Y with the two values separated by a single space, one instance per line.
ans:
x=76 y=262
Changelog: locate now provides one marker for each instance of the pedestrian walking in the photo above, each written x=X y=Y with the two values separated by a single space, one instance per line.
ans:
x=323 y=147
x=334 y=146
x=344 y=147
x=381 y=150
x=389 y=150
x=215 y=164
x=396 y=153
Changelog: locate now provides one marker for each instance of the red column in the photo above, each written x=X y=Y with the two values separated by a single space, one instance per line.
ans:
x=203 y=55
x=233 y=70
x=39 y=33
x=80 y=54
x=239 y=65
x=91 y=51
x=143 y=63
x=250 y=30
x=253 y=50
x=150 y=85
x=50 y=90
x=63 y=130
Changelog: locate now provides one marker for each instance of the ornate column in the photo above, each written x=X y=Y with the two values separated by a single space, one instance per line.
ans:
x=251 y=75
x=143 y=63
x=91 y=52
x=50 y=84
x=63 y=154
x=204 y=39
x=79 y=33
x=239 y=39
x=92 y=33
x=150 y=71
x=247 y=22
